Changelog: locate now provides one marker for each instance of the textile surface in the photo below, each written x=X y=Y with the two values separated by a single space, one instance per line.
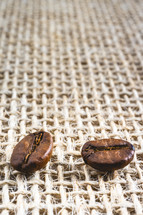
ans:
x=73 y=68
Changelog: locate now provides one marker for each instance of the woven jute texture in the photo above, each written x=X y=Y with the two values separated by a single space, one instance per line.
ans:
x=73 y=68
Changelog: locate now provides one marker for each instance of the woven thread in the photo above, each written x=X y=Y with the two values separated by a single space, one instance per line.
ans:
x=75 y=69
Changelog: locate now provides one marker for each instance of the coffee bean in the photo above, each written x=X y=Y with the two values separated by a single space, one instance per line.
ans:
x=108 y=154
x=32 y=152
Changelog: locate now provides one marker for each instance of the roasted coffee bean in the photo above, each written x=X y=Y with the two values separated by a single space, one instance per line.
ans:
x=32 y=152
x=107 y=154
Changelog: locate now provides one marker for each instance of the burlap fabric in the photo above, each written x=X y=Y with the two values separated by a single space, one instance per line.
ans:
x=73 y=68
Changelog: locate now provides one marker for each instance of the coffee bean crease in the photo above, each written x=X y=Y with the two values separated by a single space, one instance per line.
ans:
x=106 y=148
x=37 y=140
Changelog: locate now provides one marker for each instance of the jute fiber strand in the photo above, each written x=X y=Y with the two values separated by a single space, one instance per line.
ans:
x=73 y=68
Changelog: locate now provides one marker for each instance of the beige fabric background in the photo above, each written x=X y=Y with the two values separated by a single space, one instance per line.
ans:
x=73 y=68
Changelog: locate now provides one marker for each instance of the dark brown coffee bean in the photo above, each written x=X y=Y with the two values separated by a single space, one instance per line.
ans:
x=32 y=152
x=107 y=154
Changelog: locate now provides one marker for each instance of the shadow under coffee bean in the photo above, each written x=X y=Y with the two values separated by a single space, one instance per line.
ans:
x=32 y=152
x=108 y=154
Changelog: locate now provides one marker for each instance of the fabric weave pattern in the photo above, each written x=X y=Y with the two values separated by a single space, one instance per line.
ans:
x=74 y=69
